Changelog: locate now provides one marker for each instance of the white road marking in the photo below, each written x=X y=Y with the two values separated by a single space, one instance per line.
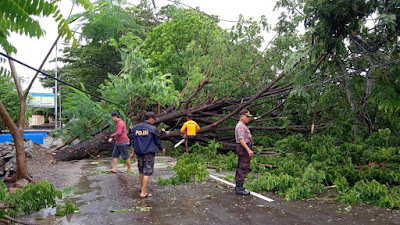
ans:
x=233 y=185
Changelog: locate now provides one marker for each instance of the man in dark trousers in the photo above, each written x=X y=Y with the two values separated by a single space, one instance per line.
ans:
x=121 y=146
x=145 y=138
x=244 y=142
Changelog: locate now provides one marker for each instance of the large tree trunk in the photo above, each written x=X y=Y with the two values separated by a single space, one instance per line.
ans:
x=86 y=148
x=99 y=143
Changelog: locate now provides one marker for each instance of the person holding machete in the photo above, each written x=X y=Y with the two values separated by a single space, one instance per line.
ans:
x=189 y=129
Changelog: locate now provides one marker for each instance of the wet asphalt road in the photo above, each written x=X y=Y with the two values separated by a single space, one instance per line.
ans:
x=114 y=199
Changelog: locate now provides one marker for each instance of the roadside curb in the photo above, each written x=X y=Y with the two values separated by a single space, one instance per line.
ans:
x=233 y=185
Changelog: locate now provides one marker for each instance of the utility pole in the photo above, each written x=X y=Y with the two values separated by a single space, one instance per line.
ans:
x=55 y=95
x=59 y=103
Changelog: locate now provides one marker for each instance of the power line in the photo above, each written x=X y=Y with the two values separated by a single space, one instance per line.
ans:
x=63 y=82
x=75 y=76
x=338 y=77
x=350 y=73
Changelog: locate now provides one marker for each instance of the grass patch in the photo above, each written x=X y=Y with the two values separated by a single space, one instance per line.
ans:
x=69 y=191
x=68 y=208
x=229 y=177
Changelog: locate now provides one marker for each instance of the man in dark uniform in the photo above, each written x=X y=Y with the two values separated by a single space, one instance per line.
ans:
x=145 y=138
x=244 y=142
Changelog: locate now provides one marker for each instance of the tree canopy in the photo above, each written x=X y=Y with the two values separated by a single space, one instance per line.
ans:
x=326 y=85
x=333 y=73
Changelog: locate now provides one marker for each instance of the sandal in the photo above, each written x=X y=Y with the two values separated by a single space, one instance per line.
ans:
x=146 y=196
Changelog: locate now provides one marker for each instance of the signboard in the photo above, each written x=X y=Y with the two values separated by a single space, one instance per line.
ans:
x=41 y=100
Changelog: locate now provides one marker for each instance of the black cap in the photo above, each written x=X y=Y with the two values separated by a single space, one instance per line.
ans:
x=149 y=115
x=245 y=112
x=189 y=116
x=115 y=114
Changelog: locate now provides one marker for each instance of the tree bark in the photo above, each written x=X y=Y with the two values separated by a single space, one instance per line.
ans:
x=71 y=139
x=315 y=113
x=361 y=113
x=17 y=132
x=349 y=93
x=86 y=148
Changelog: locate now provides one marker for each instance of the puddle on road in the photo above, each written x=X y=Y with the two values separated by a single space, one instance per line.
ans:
x=85 y=186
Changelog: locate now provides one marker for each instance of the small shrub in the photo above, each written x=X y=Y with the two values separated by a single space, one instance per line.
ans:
x=68 y=208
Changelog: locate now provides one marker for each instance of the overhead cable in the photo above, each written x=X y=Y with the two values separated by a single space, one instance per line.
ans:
x=337 y=78
x=63 y=82
x=350 y=73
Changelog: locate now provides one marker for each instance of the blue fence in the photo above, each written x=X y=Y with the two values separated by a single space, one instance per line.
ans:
x=41 y=132
x=31 y=135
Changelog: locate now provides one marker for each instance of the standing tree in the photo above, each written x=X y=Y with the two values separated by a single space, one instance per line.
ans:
x=18 y=16
x=355 y=45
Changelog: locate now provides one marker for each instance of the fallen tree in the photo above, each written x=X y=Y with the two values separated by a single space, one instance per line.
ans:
x=87 y=148
x=210 y=114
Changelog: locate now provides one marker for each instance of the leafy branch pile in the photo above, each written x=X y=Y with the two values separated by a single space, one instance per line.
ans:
x=32 y=197
x=68 y=208
x=360 y=172
x=193 y=166
x=29 y=198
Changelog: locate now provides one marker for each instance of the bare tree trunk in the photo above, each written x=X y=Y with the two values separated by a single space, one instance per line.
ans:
x=361 y=113
x=315 y=114
x=22 y=168
x=17 y=132
x=86 y=148
x=71 y=139
x=349 y=93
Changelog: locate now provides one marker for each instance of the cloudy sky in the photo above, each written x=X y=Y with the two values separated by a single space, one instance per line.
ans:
x=33 y=51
